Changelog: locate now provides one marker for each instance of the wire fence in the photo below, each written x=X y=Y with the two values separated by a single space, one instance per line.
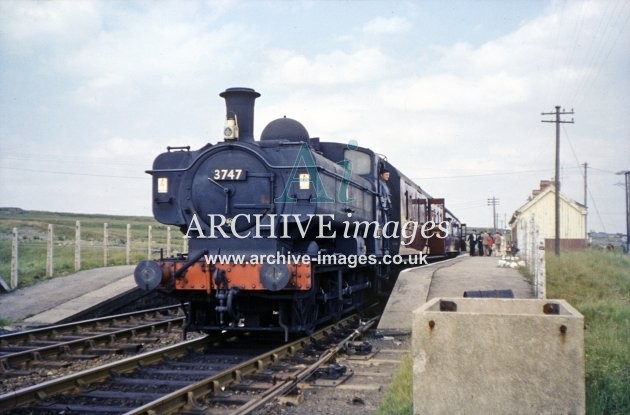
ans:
x=28 y=256
x=532 y=249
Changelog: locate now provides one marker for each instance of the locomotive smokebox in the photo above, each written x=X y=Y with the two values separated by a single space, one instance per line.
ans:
x=239 y=104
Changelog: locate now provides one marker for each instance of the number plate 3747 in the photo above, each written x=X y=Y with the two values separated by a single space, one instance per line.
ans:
x=229 y=174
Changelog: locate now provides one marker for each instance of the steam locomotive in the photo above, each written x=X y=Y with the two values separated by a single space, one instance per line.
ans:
x=286 y=232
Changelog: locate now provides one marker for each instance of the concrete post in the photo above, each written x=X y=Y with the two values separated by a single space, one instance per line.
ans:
x=531 y=260
x=49 y=251
x=128 y=245
x=498 y=356
x=105 y=244
x=14 y=259
x=541 y=272
x=77 y=246
x=149 y=237
x=525 y=246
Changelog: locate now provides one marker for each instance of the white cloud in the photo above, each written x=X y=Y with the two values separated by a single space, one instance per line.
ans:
x=332 y=68
x=452 y=93
x=51 y=23
x=151 y=56
x=387 y=25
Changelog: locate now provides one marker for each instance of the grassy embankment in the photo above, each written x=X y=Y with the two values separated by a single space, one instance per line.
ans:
x=597 y=284
x=32 y=235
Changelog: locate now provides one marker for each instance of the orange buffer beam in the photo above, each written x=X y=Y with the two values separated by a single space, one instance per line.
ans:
x=242 y=276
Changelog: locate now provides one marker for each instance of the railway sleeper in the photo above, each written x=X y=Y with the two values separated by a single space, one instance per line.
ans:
x=14 y=373
x=50 y=364
x=79 y=356
x=80 y=408
x=117 y=395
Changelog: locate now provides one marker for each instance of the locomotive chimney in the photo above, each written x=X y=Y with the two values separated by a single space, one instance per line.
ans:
x=239 y=104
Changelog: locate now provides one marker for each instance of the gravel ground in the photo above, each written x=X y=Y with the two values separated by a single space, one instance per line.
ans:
x=42 y=374
x=360 y=394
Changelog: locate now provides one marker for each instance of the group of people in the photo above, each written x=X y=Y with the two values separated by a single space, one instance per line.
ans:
x=484 y=244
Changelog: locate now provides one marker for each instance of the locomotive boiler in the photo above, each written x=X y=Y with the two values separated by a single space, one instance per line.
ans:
x=286 y=232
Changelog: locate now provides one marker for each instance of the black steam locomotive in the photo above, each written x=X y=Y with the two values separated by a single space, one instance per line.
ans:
x=286 y=232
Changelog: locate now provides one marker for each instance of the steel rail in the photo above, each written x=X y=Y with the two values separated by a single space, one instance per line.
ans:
x=182 y=398
x=286 y=386
x=99 y=374
x=187 y=396
x=84 y=344
x=59 y=329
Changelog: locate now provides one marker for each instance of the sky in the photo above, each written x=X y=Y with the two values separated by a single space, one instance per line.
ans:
x=451 y=92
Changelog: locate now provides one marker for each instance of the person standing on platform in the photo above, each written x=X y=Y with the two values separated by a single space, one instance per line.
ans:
x=490 y=245
x=483 y=243
x=480 y=244
x=472 y=241
x=497 y=243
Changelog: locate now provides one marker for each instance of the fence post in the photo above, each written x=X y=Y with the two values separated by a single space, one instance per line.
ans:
x=525 y=246
x=14 y=259
x=128 y=246
x=105 y=243
x=536 y=257
x=541 y=273
x=185 y=247
x=149 y=242
x=49 y=251
x=168 y=241
x=533 y=246
x=77 y=246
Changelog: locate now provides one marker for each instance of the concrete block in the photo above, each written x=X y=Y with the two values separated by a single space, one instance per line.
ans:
x=498 y=356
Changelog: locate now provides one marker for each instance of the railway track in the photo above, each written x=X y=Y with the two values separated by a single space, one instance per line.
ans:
x=22 y=353
x=197 y=375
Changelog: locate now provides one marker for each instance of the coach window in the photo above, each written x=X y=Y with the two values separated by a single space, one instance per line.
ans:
x=361 y=162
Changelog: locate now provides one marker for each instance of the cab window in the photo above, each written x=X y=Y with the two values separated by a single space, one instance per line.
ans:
x=361 y=162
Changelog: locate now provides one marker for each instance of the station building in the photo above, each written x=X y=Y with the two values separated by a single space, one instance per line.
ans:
x=542 y=207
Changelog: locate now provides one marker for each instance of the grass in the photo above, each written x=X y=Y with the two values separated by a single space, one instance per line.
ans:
x=597 y=283
x=32 y=246
x=399 y=396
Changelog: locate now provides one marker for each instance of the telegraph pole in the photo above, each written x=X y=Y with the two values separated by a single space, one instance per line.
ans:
x=493 y=201
x=558 y=121
x=627 y=174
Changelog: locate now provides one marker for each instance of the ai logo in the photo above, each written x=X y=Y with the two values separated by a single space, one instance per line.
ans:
x=312 y=180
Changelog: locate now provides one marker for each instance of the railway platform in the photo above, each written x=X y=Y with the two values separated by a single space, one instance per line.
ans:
x=60 y=299
x=450 y=278
x=89 y=293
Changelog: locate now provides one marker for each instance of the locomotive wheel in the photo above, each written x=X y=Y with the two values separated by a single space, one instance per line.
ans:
x=306 y=313
x=335 y=309
x=334 y=305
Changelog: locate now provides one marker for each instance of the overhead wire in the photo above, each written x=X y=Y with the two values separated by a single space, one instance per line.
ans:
x=489 y=174
x=463 y=176
x=599 y=216
x=66 y=159
x=575 y=35
x=73 y=173
x=559 y=27
x=568 y=139
x=596 y=57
